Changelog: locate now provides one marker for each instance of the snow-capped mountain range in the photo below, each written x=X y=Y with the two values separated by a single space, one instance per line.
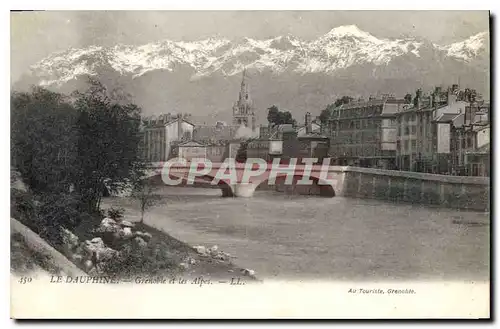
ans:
x=344 y=57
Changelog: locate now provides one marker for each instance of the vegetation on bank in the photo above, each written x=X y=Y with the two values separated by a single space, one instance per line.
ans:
x=67 y=149
x=66 y=152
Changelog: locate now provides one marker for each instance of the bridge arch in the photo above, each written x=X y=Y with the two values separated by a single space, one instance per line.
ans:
x=325 y=189
x=226 y=189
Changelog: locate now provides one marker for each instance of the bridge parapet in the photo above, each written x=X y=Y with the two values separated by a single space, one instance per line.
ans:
x=422 y=188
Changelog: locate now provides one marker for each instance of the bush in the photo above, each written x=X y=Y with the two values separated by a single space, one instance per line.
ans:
x=116 y=213
x=58 y=211
x=22 y=208
x=132 y=261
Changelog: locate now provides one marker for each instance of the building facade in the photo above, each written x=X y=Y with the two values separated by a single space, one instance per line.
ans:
x=471 y=141
x=265 y=149
x=435 y=132
x=159 y=134
x=364 y=133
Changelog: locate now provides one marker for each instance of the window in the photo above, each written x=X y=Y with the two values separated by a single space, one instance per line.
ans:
x=406 y=145
x=475 y=170
x=413 y=130
x=407 y=130
x=413 y=144
x=357 y=124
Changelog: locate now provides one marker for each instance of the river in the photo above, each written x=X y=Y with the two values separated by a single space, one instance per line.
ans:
x=314 y=238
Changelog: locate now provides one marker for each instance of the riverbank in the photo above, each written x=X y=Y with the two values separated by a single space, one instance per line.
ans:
x=162 y=256
x=184 y=261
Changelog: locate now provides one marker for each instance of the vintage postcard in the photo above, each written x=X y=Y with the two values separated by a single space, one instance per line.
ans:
x=250 y=164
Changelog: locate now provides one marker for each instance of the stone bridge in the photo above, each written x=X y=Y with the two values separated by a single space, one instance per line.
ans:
x=241 y=180
x=472 y=193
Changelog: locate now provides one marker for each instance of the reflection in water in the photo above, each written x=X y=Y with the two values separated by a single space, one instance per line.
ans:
x=303 y=237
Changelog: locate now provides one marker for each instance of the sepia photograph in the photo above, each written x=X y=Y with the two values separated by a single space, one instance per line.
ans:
x=219 y=155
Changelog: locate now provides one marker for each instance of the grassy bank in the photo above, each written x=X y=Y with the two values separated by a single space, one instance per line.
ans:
x=168 y=256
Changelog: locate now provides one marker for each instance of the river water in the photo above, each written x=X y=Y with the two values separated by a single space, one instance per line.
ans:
x=309 y=237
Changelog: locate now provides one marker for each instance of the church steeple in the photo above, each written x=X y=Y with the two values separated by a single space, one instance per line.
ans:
x=244 y=94
x=243 y=112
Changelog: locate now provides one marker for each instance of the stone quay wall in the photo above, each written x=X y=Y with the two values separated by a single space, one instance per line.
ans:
x=459 y=192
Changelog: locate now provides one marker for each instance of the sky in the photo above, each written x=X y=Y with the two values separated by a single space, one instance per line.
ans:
x=36 y=35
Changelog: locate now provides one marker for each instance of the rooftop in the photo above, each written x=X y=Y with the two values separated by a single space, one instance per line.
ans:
x=485 y=149
x=161 y=122
x=211 y=134
x=447 y=117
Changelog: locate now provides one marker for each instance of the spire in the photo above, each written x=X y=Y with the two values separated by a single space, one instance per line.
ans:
x=243 y=81
x=244 y=95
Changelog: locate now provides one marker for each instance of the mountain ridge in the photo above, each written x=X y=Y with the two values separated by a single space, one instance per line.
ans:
x=344 y=60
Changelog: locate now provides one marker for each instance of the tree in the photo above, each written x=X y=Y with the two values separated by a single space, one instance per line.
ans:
x=109 y=142
x=144 y=192
x=343 y=100
x=276 y=117
x=408 y=99
x=285 y=117
x=43 y=139
x=273 y=115
x=89 y=141
x=327 y=112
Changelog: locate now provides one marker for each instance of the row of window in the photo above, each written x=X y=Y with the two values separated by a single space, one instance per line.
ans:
x=465 y=143
x=355 y=124
x=409 y=117
x=406 y=146
x=407 y=130
x=355 y=137
x=360 y=112
x=155 y=150
x=355 y=150
x=215 y=150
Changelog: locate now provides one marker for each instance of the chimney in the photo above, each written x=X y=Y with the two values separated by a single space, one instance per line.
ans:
x=308 y=123
x=179 y=126
x=418 y=96
x=452 y=97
